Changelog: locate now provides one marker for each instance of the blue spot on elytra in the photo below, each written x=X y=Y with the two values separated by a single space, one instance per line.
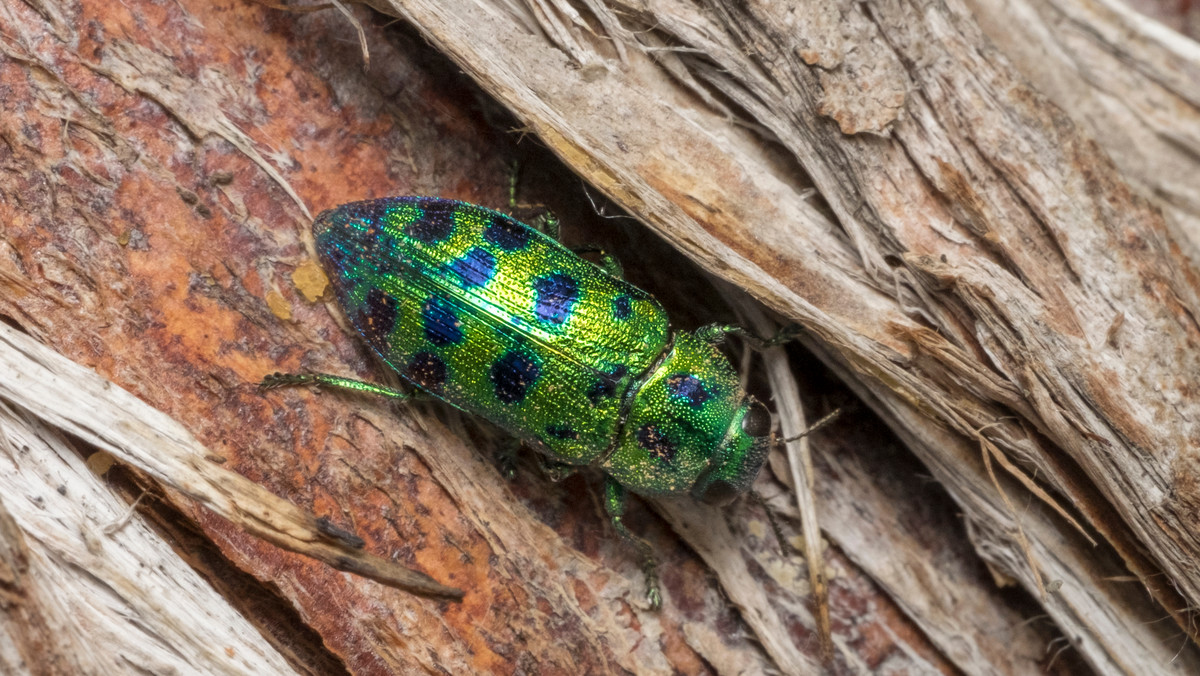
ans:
x=556 y=295
x=688 y=389
x=512 y=375
x=561 y=432
x=622 y=307
x=507 y=234
x=441 y=325
x=427 y=370
x=655 y=442
x=378 y=316
x=475 y=268
x=436 y=221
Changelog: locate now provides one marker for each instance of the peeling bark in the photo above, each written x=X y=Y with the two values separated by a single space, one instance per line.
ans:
x=989 y=268
x=982 y=215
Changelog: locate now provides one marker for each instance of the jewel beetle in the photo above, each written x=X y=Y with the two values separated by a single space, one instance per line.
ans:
x=500 y=320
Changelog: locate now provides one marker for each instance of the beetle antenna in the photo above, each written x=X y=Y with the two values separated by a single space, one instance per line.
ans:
x=815 y=426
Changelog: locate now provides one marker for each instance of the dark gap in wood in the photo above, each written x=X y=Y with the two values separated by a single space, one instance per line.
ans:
x=261 y=603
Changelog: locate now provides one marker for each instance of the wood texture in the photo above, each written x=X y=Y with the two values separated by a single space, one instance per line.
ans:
x=83 y=577
x=999 y=244
x=988 y=270
x=151 y=232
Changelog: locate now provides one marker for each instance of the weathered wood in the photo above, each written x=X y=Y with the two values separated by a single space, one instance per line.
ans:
x=72 y=399
x=87 y=589
x=989 y=269
x=157 y=163
x=974 y=263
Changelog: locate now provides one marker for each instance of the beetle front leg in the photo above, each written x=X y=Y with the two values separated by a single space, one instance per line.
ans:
x=715 y=334
x=615 y=500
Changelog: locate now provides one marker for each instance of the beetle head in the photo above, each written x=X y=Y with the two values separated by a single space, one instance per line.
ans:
x=739 y=457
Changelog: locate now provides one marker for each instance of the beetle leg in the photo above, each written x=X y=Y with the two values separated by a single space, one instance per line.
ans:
x=785 y=547
x=514 y=175
x=545 y=221
x=556 y=471
x=506 y=455
x=548 y=224
x=608 y=262
x=337 y=382
x=615 y=500
x=715 y=334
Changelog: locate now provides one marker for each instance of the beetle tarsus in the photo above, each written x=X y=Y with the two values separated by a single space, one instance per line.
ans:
x=615 y=501
x=715 y=335
x=506 y=457
x=277 y=380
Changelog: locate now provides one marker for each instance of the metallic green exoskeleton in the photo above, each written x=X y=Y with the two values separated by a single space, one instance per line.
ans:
x=502 y=321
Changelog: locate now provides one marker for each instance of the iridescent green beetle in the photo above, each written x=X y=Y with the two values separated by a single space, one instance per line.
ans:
x=492 y=316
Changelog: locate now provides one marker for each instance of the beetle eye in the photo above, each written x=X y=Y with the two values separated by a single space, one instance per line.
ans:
x=757 y=422
x=719 y=493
